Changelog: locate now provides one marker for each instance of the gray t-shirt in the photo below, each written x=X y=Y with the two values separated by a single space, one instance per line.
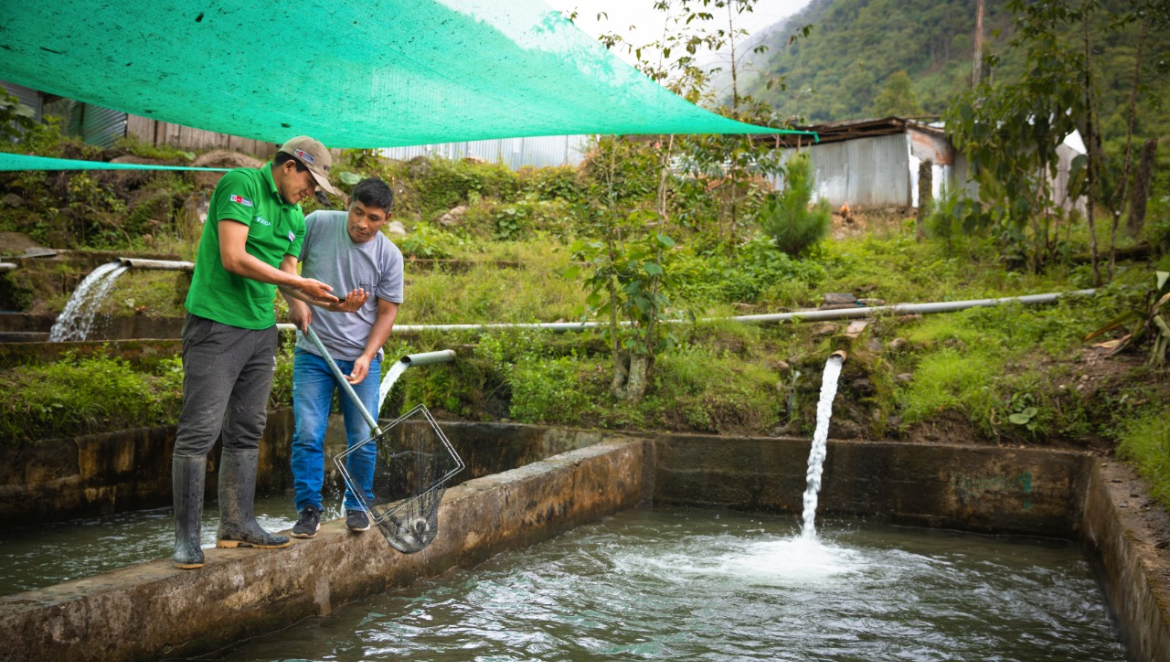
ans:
x=330 y=256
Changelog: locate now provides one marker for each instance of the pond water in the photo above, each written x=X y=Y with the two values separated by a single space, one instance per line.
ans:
x=703 y=585
x=36 y=557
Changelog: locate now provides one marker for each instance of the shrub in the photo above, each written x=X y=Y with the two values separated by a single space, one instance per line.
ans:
x=428 y=242
x=552 y=183
x=759 y=271
x=787 y=217
x=549 y=391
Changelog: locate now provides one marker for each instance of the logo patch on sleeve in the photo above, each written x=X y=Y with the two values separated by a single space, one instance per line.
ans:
x=292 y=236
x=239 y=199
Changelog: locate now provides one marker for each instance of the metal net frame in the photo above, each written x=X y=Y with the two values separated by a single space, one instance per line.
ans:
x=413 y=463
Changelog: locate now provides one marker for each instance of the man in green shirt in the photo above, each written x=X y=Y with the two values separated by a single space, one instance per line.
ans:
x=250 y=245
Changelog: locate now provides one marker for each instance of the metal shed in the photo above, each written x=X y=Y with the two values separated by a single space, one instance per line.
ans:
x=873 y=164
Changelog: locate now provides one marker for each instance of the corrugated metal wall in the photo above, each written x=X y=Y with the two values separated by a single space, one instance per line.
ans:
x=865 y=173
x=538 y=151
x=102 y=126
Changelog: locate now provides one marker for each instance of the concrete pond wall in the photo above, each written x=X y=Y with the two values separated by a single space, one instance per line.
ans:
x=563 y=478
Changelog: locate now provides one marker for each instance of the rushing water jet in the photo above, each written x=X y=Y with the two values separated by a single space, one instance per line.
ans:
x=816 y=456
x=75 y=321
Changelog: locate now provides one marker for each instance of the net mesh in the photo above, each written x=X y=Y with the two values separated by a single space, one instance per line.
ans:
x=25 y=162
x=351 y=73
x=414 y=463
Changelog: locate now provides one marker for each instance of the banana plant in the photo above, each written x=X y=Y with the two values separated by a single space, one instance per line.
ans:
x=1150 y=321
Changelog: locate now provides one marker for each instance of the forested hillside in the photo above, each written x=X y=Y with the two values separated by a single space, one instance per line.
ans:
x=857 y=47
x=851 y=63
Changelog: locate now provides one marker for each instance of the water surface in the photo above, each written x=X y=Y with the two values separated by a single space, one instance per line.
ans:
x=701 y=585
x=40 y=556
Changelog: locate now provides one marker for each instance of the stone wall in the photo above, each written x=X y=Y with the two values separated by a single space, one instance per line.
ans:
x=115 y=472
x=968 y=487
x=154 y=611
x=131 y=470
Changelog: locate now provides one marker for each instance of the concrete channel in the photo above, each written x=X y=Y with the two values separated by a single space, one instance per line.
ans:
x=559 y=479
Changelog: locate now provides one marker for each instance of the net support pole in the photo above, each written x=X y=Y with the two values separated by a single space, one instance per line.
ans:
x=312 y=336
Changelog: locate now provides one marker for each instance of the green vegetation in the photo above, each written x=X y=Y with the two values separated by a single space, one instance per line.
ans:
x=1145 y=442
x=77 y=396
x=652 y=236
x=789 y=217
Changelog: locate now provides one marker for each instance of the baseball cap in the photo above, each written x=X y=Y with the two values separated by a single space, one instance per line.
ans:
x=314 y=156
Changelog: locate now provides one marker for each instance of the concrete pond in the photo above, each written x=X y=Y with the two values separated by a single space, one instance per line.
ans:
x=528 y=484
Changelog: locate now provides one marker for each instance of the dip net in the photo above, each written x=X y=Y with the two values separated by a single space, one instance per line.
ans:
x=414 y=462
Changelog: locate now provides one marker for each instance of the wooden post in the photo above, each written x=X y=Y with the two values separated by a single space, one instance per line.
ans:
x=977 y=74
x=925 y=193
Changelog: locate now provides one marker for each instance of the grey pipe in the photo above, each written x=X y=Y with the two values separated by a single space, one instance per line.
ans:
x=906 y=308
x=7 y=266
x=428 y=358
x=806 y=315
x=165 y=265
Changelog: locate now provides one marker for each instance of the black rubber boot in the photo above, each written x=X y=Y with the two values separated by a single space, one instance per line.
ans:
x=188 y=476
x=237 y=493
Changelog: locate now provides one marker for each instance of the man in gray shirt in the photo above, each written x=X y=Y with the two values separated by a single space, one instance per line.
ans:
x=348 y=251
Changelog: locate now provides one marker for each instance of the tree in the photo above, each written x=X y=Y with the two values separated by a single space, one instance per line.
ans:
x=897 y=98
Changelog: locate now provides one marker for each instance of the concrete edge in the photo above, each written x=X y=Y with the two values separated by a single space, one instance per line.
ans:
x=1125 y=536
x=152 y=611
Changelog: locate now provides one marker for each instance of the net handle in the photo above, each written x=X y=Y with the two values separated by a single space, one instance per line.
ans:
x=345 y=385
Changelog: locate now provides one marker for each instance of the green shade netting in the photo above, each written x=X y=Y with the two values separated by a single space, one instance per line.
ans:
x=23 y=162
x=351 y=73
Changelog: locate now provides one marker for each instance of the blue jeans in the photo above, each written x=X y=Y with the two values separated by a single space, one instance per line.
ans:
x=313 y=388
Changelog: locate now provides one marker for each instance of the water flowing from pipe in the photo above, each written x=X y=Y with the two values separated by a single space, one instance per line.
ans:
x=387 y=384
x=816 y=456
x=75 y=321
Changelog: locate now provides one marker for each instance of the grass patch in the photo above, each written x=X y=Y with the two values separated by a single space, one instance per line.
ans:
x=78 y=396
x=1145 y=443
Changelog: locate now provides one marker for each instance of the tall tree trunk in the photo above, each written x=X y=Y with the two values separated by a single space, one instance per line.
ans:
x=1141 y=189
x=977 y=73
x=1091 y=183
x=1117 y=204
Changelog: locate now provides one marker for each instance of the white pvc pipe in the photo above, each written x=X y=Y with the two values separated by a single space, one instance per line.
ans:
x=7 y=266
x=806 y=315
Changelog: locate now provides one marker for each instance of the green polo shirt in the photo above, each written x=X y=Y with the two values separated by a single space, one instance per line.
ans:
x=275 y=229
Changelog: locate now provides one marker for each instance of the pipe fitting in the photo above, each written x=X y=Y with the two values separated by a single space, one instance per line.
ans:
x=840 y=353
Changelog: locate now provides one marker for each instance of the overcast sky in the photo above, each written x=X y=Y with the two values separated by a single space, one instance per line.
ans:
x=639 y=23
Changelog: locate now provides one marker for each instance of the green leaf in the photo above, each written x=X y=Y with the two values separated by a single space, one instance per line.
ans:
x=653 y=268
x=348 y=178
x=572 y=272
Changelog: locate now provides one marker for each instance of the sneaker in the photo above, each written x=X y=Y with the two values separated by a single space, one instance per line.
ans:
x=357 y=520
x=308 y=521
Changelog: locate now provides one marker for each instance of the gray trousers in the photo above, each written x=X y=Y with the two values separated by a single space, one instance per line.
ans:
x=227 y=377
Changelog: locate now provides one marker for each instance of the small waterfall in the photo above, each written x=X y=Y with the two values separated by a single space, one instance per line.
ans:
x=387 y=384
x=816 y=457
x=74 y=322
